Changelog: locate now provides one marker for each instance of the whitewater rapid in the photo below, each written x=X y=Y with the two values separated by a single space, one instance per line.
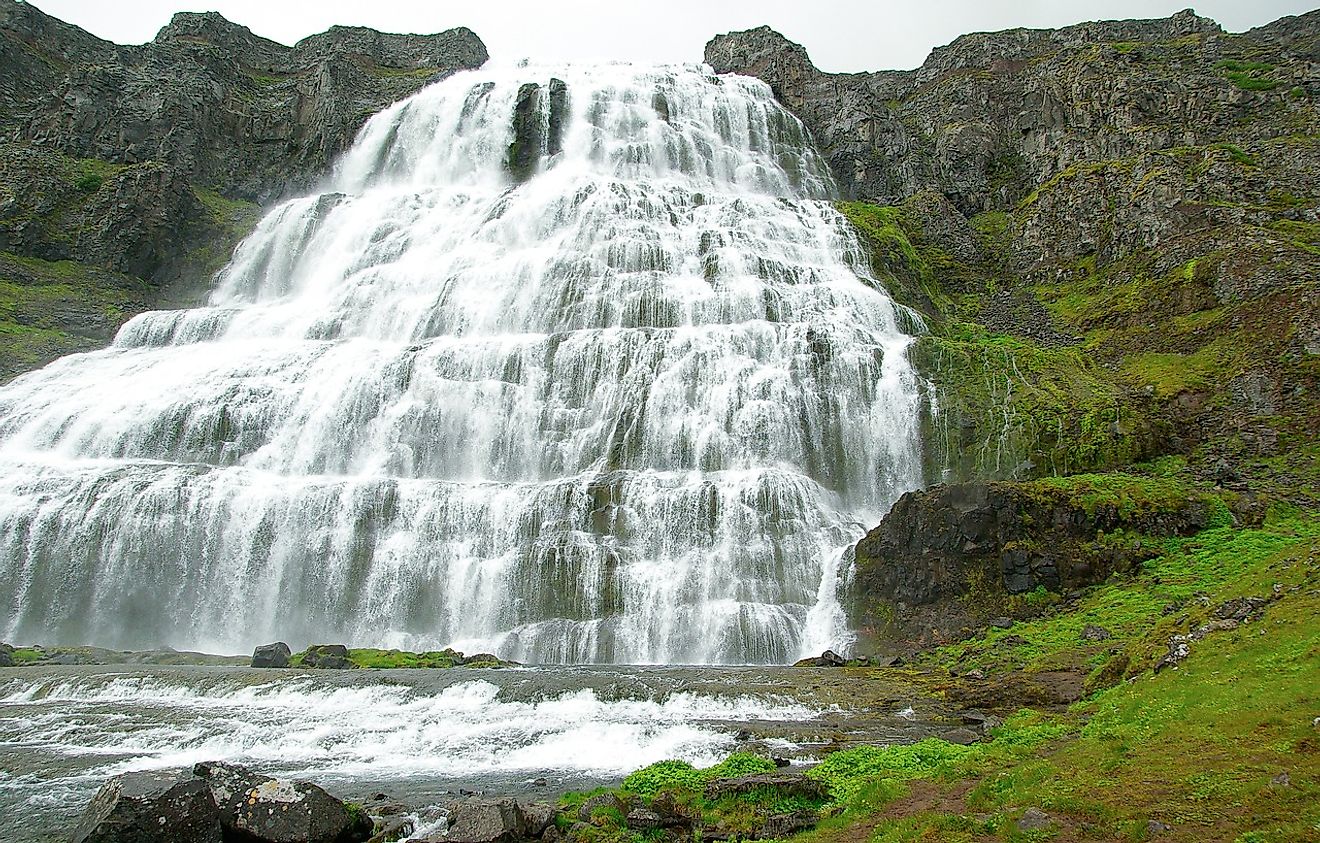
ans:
x=627 y=403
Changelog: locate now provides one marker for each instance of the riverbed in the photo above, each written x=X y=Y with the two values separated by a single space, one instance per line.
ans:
x=419 y=735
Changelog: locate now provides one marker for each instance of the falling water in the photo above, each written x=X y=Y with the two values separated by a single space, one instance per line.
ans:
x=572 y=364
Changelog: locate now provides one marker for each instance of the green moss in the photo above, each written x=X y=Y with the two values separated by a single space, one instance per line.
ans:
x=1007 y=407
x=384 y=659
x=1248 y=75
x=27 y=655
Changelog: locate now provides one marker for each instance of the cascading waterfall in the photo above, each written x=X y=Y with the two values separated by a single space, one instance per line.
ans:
x=570 y=363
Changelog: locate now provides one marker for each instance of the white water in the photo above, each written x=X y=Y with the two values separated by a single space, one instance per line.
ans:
x=302 y=728
x=628 y=410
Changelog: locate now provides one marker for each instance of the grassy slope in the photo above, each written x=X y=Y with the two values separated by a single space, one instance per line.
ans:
x=1199 y=748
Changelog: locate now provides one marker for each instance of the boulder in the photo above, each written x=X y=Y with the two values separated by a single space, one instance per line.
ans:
x=538 y=816
x=781 y=826
x=601 y=801
x=829 y=658
x=487 y=821
x=6 y=655
x=327 y=657
x=164 y=806
x=788 y=784
x=259 y=809
x=271 y=655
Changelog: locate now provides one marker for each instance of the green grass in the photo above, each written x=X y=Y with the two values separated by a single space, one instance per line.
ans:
x=1195 y=748
x=1248 y=75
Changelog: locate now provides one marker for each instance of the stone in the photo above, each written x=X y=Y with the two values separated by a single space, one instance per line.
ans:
x=6 y=655
x=1034 y=818
x=829 y=658
x=1094 y=633
x=644 y=819
x=962 y=737
x=537 y=817
x=787 y=784
x=1154 y=827
x=261 y=809
x=781 y=826
x=483 y=660
x=157 y=806
x=975 y=675
x=1241 y=609
x=271 y=655
x=934 y=546
x=487 y=821
x=390 y=829
x=327 y=657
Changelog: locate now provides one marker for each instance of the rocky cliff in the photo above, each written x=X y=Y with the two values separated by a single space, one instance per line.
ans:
x=128 y=173
x=1112 y=231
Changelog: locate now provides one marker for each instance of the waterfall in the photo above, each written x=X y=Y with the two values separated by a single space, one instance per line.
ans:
x=570 y=364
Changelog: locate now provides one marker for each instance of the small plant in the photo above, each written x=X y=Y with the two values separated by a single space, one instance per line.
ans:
x=89 y=182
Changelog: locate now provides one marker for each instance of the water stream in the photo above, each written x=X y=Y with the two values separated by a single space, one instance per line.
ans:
x=571 y=364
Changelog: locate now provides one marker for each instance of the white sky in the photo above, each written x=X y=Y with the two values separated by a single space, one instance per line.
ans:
x=841 y=35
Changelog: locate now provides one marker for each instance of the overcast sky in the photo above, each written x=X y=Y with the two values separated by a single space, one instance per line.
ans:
x=841 y=35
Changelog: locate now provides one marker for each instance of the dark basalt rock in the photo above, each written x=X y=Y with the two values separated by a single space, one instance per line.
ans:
x=170 y=806
x=327 y=657
x=187 y=135
x=488 y=821
x=538 y=127
x=829 y=658
x=271 y=655
x=989 y=540
x=787 y=784
x=216 y=803
x=6 y=655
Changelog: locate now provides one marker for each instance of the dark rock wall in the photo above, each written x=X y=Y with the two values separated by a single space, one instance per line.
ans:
x=129 y=173
x=991 y=115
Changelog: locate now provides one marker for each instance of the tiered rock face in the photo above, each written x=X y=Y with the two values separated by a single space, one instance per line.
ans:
x=992 y=115
x=144 y=165
x=1113 y=231
x=228 y=108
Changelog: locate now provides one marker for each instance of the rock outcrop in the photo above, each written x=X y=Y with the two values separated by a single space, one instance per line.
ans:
x=990 y=116
x=217 y=803
x=953 y=557
x=128 y=173
x=1111 y=230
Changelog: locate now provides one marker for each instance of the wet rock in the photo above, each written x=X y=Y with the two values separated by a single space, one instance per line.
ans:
x=483 y=660
x=260 y=809
x=327 y=657
x=1033 y=819
x=787 y=784
x=390 y=829
x=6 y=655
x=487 y=821
x=272 y=655
x=671 y=813
x=145 y=807
x=829 y=658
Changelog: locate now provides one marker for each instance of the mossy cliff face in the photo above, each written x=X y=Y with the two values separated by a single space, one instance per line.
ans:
x=947 y=560
x=129 y=173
